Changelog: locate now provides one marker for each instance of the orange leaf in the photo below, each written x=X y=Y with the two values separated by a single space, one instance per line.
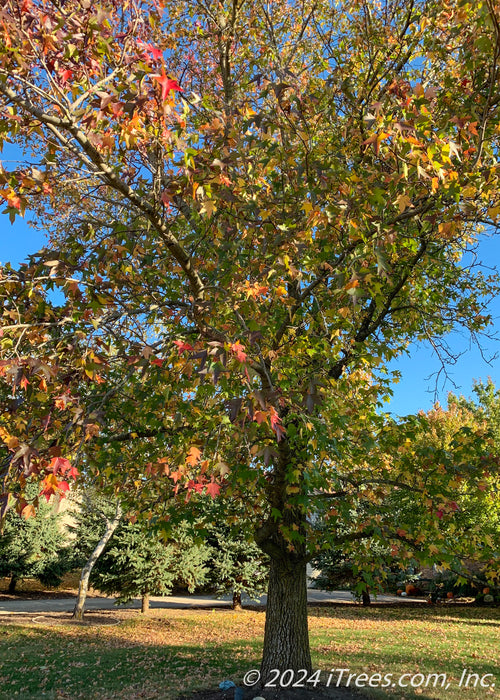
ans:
x=238 y=349
x=194 y=456
x=28 y=512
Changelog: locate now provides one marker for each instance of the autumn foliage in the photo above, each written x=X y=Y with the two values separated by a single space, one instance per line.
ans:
x=252 y=208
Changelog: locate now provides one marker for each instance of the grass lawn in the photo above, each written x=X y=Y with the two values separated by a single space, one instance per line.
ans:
x=175 y=651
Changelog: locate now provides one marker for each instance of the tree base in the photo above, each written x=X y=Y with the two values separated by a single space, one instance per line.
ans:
x=286 y=637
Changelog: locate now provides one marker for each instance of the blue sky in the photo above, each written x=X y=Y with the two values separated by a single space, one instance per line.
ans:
x=418 y=388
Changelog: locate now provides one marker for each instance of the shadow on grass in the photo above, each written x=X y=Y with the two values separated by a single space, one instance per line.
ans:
x=41 y=662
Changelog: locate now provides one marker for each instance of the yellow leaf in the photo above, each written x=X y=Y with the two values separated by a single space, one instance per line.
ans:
x=208 y=208
x=403 y=202
x=28 y=512
x=11 y=441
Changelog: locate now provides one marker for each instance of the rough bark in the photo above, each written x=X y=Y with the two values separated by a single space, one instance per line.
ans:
x=145 y=603
x=12 y=584
x=286 y=636
x=111 y=526
x=236 y=605
x=365 y=597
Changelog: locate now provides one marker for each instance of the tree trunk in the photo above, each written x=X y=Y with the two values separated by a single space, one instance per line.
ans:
x=286 y=636
x=12 y=584
x=237 y=601
x=145 y=603
x=111 y=526
x=365 y=597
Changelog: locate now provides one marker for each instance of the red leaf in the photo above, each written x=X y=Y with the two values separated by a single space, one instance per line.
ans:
x=156 y=54
x=276 y=424
x=238 y=349
x=440 y=514
x=63 y=486
x=167 y=84
x=182 y=346
x=156 y=361
x=66 y=75
x=59 y=464
x=213 y=489
x=259 y=416
x=64 y=467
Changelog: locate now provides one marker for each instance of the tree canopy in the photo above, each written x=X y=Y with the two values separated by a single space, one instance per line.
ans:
x=252 y=208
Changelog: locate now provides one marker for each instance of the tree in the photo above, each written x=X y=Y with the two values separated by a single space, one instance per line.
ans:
x=363 y=567
x=138 y=563
x=337 y=570
x=457 y=527
x=91 y=539
x=34 y=548
x=476 y=509
x=252 y=209
x=236 y=564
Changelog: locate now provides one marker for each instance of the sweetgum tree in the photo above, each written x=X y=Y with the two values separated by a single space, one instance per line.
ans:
x=252 y=208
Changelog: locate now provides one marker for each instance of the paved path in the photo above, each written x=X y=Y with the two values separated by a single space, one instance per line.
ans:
x=10 y=607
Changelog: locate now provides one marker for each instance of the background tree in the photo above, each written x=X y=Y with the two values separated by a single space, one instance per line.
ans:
x=476 y=508
x=364 y=567
x=391 y=530
x=363 y=571
x=138 y=563
x=236 y=565
x=34 y=547
x=97 y=519
x=252 y=210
